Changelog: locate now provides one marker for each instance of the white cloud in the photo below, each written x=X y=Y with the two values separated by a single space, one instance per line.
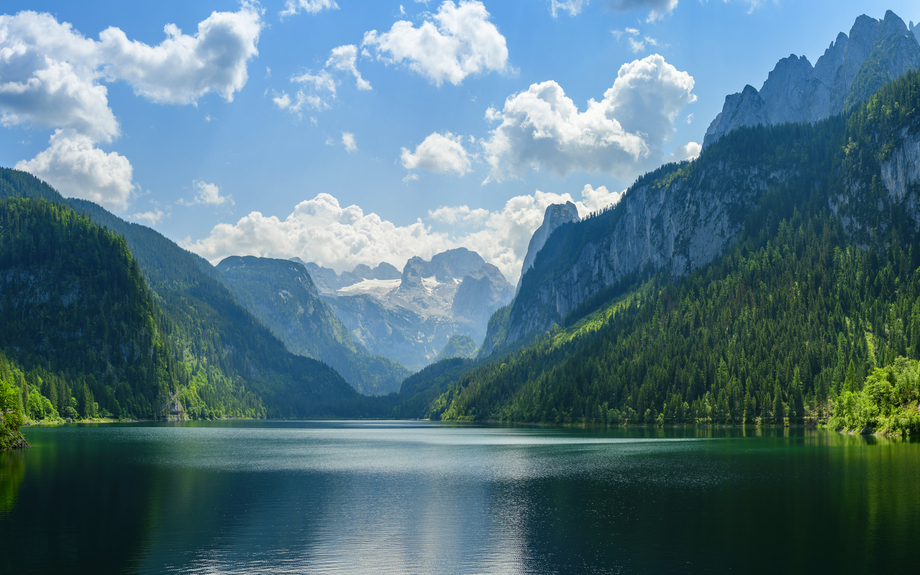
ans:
x=657 y=8
x=208 y=194
x=348 y=140
x=573 y=7
x=76 y=168
x=183 y=68
x=454 y=43
x=322 y=231
x=344 y=58
x=292 y=7
x=621 y=135
x=321 y=87
x=634 y=39
x=50 y=75
x=442 y=153
x=152 y=217
x=688 y=151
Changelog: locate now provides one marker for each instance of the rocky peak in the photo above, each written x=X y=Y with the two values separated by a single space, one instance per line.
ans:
x=554 y=216
x=915 y=30
x=481 y=293
x=784 y=91
x=850 y=70
x=739 y=110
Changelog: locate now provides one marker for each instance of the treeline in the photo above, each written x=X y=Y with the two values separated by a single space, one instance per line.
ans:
x=821 y=289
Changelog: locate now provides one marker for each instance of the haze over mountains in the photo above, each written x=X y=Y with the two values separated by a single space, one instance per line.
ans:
x=410 y=316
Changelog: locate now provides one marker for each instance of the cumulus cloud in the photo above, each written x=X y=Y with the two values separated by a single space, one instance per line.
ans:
x=293 y=7
x=457 y=41
x=51 y=76
x=345 y=58
x=621 y=135
x=48 y=77
x=76 y=168
x=688 y=151
x=441 y=153
x=152 y=217
x=573 y=7
x=322 y=231
x=657 y=8
x=348 y=140
x=208 y=194
x=183 y=68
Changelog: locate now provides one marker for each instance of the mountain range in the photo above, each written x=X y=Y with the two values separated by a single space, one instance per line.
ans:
x=410 y=316
x=852 y=68
x=764 y=280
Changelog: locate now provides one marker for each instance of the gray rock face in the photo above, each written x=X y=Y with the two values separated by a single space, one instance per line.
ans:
x=850 y=70
x=915 y=30
x=740 y=110
x=554 y=216
x=479 y=294
x=901 y=174
x=679 y=227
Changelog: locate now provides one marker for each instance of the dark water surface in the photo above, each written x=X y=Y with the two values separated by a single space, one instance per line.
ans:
x=406 y=497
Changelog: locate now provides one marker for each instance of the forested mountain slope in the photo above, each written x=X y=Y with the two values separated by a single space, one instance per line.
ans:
x=281 y=294
x=226 y=353
x=814 y=283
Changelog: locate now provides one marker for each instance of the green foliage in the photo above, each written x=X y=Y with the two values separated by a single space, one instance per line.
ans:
x=204 y=328
x=794 y=315
x=888 y=404
x=76 y=312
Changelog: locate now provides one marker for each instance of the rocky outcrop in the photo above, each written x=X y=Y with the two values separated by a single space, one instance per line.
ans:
x=677 y=227
x=851 y=69
x=554 y=216
x=901 y=173
x=479 y=294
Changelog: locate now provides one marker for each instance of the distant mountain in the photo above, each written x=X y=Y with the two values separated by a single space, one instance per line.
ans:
x=327 y=281
x=410 y=318
x=554 y=216
x=458 y=346
x=282 y=295
x=233 y=364
x=853 y=68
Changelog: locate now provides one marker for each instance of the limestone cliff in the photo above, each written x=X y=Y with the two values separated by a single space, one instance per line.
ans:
x=852 y=68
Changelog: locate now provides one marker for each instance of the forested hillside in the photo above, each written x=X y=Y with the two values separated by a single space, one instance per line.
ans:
x=282 y=295
x=232 y=364
x=820 y=288
x=77 y=314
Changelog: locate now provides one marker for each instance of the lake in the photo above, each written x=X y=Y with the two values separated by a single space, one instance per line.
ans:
x=415 y=497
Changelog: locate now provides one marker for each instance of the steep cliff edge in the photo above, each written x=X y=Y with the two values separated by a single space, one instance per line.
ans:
x=681 y=217
x=851 y=69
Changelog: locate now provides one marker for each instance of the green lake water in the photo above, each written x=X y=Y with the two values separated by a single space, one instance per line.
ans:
x=407 y=497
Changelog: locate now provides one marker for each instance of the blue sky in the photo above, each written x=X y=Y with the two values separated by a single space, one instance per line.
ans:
x=348 y=132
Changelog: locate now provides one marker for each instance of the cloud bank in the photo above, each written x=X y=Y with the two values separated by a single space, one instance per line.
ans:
x=51 y=76
x=622 y=135
x=321 y=230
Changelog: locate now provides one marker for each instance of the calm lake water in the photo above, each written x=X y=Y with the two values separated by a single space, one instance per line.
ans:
x=406 y=497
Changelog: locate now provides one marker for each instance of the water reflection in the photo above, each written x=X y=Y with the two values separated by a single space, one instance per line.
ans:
x=346 y=497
